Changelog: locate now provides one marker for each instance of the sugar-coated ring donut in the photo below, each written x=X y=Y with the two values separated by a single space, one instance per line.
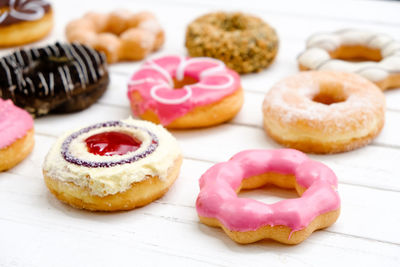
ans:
x=244 y=42
x=209 y=93
x=324 y=112
x=288 y=221
x=377 y=55
x=57 y=78
x=24 y=22
x=116 y=165
x=121 y=35
x=16 y=134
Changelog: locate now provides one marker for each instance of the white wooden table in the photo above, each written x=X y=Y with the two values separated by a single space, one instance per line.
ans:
x=37 y=230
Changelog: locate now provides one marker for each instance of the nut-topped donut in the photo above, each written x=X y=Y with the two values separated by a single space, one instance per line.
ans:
x=375 y=56
x=244 y=42
x=121 y=35
x=116 y=165
x=56 y=78
x=181 y=92
x=324 y=111
x=24 y=21
x=288 y=221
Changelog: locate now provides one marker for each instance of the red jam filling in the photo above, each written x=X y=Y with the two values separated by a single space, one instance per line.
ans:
x=111 y=143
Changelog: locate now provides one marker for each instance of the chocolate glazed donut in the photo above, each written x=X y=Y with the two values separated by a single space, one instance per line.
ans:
x=59 y=78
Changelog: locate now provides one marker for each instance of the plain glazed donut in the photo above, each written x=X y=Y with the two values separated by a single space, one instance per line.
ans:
x=181 y=92
x=244 y=42
x=58 y=78
x=24 y=21
x=16 y=134
x=376 y=55
x=116 y=165
x=288 y=221
x=324 y=112
x=121 y=35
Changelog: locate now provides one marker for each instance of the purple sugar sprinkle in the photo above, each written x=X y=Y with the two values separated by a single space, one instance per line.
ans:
x=71 y=159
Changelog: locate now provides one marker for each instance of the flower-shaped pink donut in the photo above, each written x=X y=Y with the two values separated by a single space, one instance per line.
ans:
x=288 y=221
x=213 y=96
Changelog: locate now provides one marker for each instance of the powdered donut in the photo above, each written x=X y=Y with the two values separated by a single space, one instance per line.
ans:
x=206 y=92
x=375 y=56
x=324 y=112
x=116 y=165
x=288 y=221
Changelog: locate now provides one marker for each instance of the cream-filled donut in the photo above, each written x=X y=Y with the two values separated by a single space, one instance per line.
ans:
x=16 y=134
x=375 y=56
x=289 y=221
x=324 y=112
x=116 y=165
x=181 y=92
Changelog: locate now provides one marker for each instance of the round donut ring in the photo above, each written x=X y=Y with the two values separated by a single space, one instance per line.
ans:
x=121 y=35
x=151 y=89
x=288 y=221
x=244 y=42
x=324 y=112
x=379 y=52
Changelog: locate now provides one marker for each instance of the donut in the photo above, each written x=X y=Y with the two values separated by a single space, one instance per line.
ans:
x=244 y=42
x=114 y=165
x=24 y=21
x=16 y=134
x=58 y=78
x=121 y=35
x=181 y=92
x=324 y=111
x=374 y=56
x=288 y=221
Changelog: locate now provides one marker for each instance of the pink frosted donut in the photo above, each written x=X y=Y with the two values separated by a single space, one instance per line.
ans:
x=16 y=134
x=181 y=92
x=288 y=221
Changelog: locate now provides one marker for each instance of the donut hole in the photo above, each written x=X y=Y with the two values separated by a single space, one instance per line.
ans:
x=233 y=22
x=330 y=93
x=47 y=64
x=270 y=188
x=187 y=80
x=356 y=53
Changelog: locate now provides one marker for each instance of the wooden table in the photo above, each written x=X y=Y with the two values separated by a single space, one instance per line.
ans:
x=37 y=230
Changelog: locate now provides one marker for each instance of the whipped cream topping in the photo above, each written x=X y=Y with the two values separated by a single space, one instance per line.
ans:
x=113 y=178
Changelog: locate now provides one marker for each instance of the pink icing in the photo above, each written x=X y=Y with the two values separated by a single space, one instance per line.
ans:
x=218 y=198
x=154 y=82
x=14 y=123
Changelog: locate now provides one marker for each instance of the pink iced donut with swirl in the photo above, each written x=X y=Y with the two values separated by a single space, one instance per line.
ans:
x=288 y=221
x=182 y=92
x=16 y=134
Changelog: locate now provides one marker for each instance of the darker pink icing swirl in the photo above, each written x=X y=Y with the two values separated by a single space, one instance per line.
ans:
x=14 y=123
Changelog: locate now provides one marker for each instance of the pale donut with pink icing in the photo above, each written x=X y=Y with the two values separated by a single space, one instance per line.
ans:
x=288 y=221
x=182 y=92
x=16 y=134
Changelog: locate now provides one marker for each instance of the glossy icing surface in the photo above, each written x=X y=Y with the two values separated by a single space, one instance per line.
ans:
x=317 y=57
x=14 y=123
x=154 y=84
x=218 y=198
x=112 y=143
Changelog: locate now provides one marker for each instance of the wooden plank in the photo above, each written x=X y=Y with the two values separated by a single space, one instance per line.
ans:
x=55 y=228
